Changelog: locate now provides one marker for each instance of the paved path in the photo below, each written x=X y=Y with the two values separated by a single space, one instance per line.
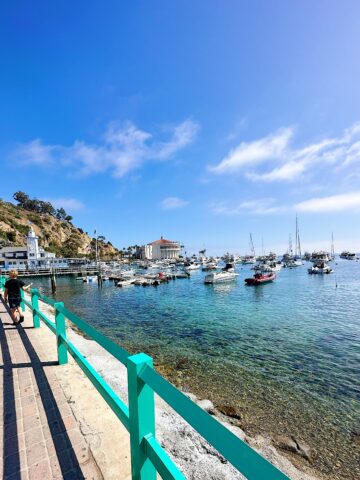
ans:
x=39 y=435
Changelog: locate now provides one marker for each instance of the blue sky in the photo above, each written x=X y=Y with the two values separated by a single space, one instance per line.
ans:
x=200 y=121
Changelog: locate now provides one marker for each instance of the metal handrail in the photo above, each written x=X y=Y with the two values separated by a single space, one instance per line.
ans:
x=147 y=456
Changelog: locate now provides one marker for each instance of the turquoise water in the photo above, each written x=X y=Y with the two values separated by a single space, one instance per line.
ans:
x=286 y=355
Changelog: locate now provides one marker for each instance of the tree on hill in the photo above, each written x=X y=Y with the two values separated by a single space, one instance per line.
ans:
x=40 y=206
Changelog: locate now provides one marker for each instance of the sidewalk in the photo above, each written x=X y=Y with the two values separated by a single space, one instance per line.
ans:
x=40 y=437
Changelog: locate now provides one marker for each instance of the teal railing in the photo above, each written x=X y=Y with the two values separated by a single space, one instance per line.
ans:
x=138 y=417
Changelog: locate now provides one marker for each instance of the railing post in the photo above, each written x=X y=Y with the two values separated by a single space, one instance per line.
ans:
x=60 y=331
x=35 y=306
x=141 y=417
x=22 y=304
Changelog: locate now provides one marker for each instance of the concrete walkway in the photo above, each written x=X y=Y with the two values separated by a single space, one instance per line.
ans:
x=40 y=437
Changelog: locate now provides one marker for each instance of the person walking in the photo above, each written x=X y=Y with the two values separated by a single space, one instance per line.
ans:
x=12 y=294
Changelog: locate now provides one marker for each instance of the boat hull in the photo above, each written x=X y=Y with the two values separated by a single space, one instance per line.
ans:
x=213 y=278
x=260 y=280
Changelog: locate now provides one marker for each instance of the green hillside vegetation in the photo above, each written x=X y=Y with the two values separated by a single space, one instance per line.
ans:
x=53 y=226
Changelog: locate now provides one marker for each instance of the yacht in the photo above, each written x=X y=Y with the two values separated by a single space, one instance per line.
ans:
x=225 y=275
x=125 y=282
x=267 y=266
x=192 y=266
x=320 y=256
x=209 y=266
x=320 y=268
x=347 y=255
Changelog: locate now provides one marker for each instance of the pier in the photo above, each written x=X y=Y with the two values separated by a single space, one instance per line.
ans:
x=55 y=403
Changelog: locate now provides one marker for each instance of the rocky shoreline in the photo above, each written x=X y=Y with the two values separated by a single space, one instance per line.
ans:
x=195 y=457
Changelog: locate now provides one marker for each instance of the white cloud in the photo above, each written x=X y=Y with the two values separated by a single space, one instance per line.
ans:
x=255 y=153
x=123 y=149
x=259 y=206
x=264 y=206
x=71 y=204
x=171 y=203
x=35 y=153
x=272 y=158
x=333 y=203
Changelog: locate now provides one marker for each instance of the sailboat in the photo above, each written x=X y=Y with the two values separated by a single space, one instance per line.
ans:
x=332 y=251
x=290 y=259
x=250 y=259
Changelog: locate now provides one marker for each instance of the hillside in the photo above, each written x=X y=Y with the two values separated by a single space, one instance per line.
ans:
x=55 y=235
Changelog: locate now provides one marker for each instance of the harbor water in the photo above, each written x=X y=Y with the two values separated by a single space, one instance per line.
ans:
x=285 y=356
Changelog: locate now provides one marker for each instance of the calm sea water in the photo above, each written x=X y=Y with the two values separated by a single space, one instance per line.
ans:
x=286 y=354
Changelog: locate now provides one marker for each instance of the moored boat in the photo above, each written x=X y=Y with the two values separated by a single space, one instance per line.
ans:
x=260 y=278
x=348 y=255
x=320 y=268
x=225 y=275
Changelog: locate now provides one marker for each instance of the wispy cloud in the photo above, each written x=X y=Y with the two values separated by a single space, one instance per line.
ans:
x=123 y=148
x=71 y=204
x=171 y=203
x=334 y=203
x=259 y=206
x=264 y=206
x=254 y=153
x=272 y=158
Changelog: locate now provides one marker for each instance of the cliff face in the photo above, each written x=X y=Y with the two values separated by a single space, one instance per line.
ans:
x=58 y=236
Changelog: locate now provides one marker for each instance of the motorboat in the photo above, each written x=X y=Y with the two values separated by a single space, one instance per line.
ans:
x=292 y=262
x=260 y=278
x=225 y=275
x=192 y=266
x=248 y=260
x=125 y=282
x=320 y=256
x=267 y=266
x=320 y=268
x=209 y=266
x=347 y=255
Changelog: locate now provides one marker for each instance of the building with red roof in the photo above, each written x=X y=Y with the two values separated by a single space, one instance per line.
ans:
x=161 y=249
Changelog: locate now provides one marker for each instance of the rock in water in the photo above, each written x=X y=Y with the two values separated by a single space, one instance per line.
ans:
x=291 y=444
x=286 y=443
x=229 y=411
x=207 y=405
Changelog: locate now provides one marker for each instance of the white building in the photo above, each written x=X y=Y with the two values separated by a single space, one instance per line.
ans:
x=30 y=257
x=161 y=250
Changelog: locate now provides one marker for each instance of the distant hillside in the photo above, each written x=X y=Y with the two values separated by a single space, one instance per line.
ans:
x=55 y=230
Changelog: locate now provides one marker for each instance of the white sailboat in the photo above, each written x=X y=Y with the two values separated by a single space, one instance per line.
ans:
x=250 y=259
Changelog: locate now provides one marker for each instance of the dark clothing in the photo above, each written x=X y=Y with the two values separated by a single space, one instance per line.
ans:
x=13 y=287
x=14 y=302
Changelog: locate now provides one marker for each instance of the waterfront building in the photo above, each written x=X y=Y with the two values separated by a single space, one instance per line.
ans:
x=30 y=257
x=161 y=250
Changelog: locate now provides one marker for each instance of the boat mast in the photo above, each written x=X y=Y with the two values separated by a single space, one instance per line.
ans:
x=298 y=246
x=332 y=246
x=252 y=246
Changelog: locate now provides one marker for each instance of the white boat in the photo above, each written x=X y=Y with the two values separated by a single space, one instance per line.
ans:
x=348 y=255
x=209 y=266
x=293 y=262
x=320 y=268
x=125 y=283
x=192 y=266
x=248 y=260
x=227 y=274
x=267 y=266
